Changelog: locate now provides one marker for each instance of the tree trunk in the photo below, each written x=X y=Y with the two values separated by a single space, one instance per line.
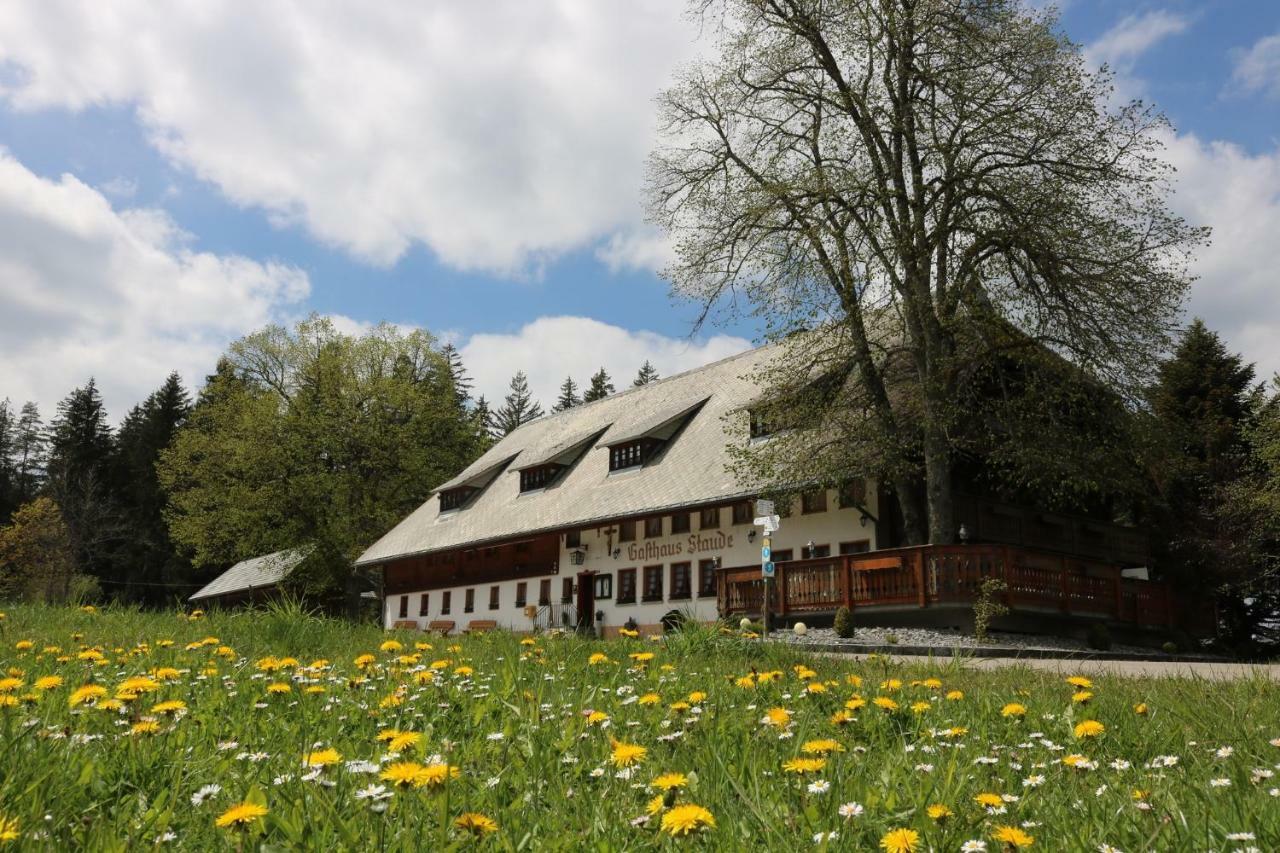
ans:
x=913 y=511
x=938 y=494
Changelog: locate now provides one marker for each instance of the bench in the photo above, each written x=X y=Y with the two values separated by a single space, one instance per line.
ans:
x=480 y=626
x=407 y=624
x=443 y=626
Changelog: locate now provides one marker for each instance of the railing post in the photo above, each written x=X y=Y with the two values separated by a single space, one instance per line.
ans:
x=921 y=592
x=846 y=582
x=781 y=582
x=1063 y=588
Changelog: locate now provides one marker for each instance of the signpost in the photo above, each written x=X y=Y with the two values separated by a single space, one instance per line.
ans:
x=769 y=522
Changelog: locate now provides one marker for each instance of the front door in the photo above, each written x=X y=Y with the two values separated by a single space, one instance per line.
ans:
x=586 y=601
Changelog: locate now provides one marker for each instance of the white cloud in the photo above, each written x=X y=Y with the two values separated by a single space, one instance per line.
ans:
x=87 y=289
x=497 y=134
x=551 y=348
x=1238 y=194
x=1258 y=68
x=1121 y=46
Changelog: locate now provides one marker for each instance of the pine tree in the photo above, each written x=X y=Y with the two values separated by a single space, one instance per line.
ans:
x=462 y=383
x=29 y=445
x=568 y=395
x=482 y=422
x=601 y=387
x=648 y=373
x=517 y=408
x=8 y=474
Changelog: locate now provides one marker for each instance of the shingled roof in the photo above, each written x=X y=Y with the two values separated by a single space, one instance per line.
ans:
x=254 y=573
x=692 y=468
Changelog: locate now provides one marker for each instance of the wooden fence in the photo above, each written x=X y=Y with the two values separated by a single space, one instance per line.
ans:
x=922 y=576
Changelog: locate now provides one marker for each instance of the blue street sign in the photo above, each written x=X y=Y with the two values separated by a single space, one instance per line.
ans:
x=765 y=553
x=768 y=570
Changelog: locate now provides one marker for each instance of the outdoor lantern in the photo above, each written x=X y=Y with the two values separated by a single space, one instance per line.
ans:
x=617 y=552
x=751 y=535
x=809 y=546
x=964 y=533
x=578 y=556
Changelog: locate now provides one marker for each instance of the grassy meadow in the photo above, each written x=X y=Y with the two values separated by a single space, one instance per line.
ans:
x=280 y=730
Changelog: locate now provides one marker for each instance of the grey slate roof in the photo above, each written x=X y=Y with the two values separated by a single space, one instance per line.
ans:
x=692 y=469
x=267 y=570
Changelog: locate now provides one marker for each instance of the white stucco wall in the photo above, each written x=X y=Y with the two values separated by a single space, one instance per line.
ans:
x=729 y=542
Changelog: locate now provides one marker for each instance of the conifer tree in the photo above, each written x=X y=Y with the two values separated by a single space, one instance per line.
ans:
x=29 y=446
x=648 y=373
x=517 y=408
x=601 y=387
x=568 y=395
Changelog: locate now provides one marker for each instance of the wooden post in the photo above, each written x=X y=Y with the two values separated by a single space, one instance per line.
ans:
x=782 y=588
x=764 y=607
x=921 y=593
x=1063 y=590
x=846 y=582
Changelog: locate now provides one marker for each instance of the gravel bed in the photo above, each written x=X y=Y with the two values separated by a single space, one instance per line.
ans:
x=947 y=638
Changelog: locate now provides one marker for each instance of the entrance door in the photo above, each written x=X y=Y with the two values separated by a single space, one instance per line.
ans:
x=586 y=601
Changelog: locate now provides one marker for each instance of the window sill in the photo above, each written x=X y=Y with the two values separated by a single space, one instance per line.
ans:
x=651 y=599
x=625 y=601
x=680 y=596
x=708 y=594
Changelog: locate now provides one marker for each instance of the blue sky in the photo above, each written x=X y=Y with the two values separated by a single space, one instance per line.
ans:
x=177 y=182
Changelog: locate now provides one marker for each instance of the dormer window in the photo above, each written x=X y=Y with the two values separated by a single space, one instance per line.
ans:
x=762 y=423
x=631 y=454
x=539 y=477
x=456 y=498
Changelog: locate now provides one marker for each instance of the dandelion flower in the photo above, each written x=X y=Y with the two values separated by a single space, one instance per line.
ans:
x=48 y=682
x=626 y=754
x=804 y=765
x=687 y=818
x=900 y=841
x=8 y=829
x=1080 y=681
x=777 y=717
x=1012 y=836
x=434 y=775
x=90 y=693
x=667 y=781
x=404 y=774
x=989 y=801
x=821 y=747
x=403 y=741
x=172 y=706
x=476 y=823
x=939 y=812
x=240 y=815
x=321 y=758
x=1089 y=728
x=1013 y=709
x=145 y=727
x=887 y=704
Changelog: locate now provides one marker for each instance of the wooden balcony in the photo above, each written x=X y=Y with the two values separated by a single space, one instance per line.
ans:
x=940 y=575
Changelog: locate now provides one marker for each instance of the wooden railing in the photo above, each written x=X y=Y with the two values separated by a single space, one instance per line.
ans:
x=953 y=574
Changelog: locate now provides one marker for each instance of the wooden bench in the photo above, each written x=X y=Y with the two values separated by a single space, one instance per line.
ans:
x=443 y=626
x=480 y=626
x=408 y=624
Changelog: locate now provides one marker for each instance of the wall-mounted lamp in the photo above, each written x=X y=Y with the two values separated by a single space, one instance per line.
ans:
x=964 y=532
x=865 y=518
x=810 y=547
x=751 y=535
x=617 y=552
x=578 y=555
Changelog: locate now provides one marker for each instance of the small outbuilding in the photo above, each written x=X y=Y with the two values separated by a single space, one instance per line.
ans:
x=251 y=580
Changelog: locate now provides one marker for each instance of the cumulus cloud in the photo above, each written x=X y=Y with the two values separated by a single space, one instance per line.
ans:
x=88 y=289
x=551 y=348
x=1123 y=45
x=497 y=134
x=1258 y=68
x=1238 y=194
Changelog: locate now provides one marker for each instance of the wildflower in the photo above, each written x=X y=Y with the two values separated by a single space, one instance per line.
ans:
x=697 y=696
x=434 y=775
x=1089 y=728
x=626 y=754
x=955 y=695
x=404 y=774
x=777 y=717
x=641 y=657
x=240 y=815
x=48 y=682
x=1080 y=681
x=205 y=792
x=365 y=660
x=649 y=699
x=595 y=718
x=8 y=685
x=839 y=718
x=172 y=706
x=403 y=741
x=668 y=781
x=1081 y=697
x=90 y=693
x=1219 y=783
x=900 y=841
x=1141 y=709
x=819 y=786
x=821 y=747
x=887 y=704
x=8 y=829
x=850 y=810
x=939 y=812
x=989 y=801
x=476 y=823
x=144 y=727
x=321 y=758
x=598 y=658
x=277 y=687
x=1012 y=836
x=804 y=765
x=391 y=646
x=1013 y=709
x=655 y=805
x=687 y=818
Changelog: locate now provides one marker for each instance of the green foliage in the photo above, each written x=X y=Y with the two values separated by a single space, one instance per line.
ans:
x=988 y=606
x=601 y=386
x=517 y=408
x=310 y=437
x=843 y=624
x=568 y=395
x=647 y=373
x=1099 y=637
x=36 y=559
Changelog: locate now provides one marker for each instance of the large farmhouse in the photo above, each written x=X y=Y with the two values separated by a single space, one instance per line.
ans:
x=623 y=511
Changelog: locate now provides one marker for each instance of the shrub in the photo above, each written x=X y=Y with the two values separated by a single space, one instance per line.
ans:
x=987 y=607
x=1099 y=637
x=844 y=623
x=1170 y=647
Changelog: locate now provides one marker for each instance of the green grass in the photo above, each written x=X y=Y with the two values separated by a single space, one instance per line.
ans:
x=529 y=758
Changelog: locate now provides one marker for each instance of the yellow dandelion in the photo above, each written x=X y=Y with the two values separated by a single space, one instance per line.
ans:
x=8 y=829
x=667 y=781
x=597 y=658
x=821 y=747
x=391 y=646
x=989 y=801
x=404 y=774
x=366 y=660
x=321 y=758
x=1141 y=709
x=697 y=696
x=1081 y=697
x=655 y=805
x=1012 y=836
x=777 y=717
x=885 y=703
x=171 y=706
x=687 y=818
x=90 y=693
x=476 y=823
x=804 y=765
x=595 y=718
x=277 y=687
x=626 y=754
x=856 y=703
x=746 y=681
x=240 y=815
x=434 y=775
x=840 y=718
x=939 y=812
x=900 y=841
x=403 y=741
x=1080 y=681
x=650 y=699
x=1013 y=709
x=955 y=695
x=145 y=727
x=9 y=685
x=1089 y=728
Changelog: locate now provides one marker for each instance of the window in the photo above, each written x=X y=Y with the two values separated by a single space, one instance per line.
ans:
x=626 y=586
x=455 y=498
x=653 y=583
x=604 y=585
x=566 y=591
x=819 y=551
x=653 y=527
x=706 y=578
x=469 y=604
x=522 y=593
x=710 y=518
x=860 y=547
x=494 y=594
x=815 y=501
x=680 y=522
x=627 y=455
x=782 y=556
x=743 y=513
x=626 y=531
x=404 y=606
x=424 y=602
x=544 y=591
x=573 y=539
x=680 y=581
x=538 y=478
x=446 y=602
x=762 y=424
x=853 y=494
